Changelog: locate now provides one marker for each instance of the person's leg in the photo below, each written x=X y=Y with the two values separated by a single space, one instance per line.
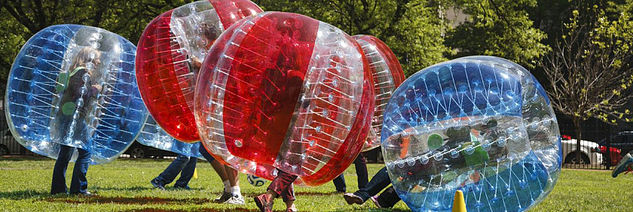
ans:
x=361 y=170
x=375 y=185
x=217 y=166
x=170 y=173
x=236 y=194
x=221 y=171
x=339 y=183
x=58 y=184
x=79 y=182
x=386 y=199
x=186 y=174
x=232 y=176
x=279 y=185
x=288 y=197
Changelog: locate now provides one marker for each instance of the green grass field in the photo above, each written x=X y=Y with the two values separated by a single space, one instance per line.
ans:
x=123 y=185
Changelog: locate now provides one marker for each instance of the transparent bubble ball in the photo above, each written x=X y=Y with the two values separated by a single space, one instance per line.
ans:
x=285 y=91
x=155 y=136
x=482 y=125
x=75 y=85
x=171 y=50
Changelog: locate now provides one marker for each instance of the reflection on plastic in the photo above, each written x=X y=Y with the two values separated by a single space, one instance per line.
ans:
x=154 y=136
x=482 y=125
x=75 y=85
x=387 y=74
x=282 y=90
x=171 y=51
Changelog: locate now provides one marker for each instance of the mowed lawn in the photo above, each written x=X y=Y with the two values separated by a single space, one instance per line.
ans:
x=123 y=185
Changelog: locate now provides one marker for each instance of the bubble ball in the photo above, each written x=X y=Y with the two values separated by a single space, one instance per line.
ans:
x=154 y=136
x=75 y=85
x=387 y=74
x=482 y=125
x=282 y=90
x=255 y=180
x=171 y=51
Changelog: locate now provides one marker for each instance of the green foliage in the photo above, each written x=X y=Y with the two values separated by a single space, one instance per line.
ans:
x=500 y=28
x=590 y=73
x=22 y=19
x=413 y=29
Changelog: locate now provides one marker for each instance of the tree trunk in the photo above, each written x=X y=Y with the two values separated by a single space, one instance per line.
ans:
x=577 y=121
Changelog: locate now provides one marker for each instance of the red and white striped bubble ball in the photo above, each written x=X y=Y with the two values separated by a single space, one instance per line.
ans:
x=285 y=91
x=387 y=74
x=170 y=53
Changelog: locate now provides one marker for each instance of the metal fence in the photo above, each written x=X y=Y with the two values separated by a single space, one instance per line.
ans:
x=592 y=156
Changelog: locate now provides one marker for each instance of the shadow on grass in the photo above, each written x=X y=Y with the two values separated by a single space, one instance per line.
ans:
x=130 y=200
x=147 y=201
x=26 y=194
x=202 y=209
x=372 y=209
x=301 y=193
x=142 y=188
x=23 y=158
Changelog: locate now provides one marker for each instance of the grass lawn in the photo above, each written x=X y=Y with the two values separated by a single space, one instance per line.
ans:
x=123 y=185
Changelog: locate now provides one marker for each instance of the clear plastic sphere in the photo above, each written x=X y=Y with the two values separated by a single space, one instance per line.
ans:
x=76 y=86
x=482 y=125
x=282 y=90
x=387 y=74
x=171 y=51
x=153 y=135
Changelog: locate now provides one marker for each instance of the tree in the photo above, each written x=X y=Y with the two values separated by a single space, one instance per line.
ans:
x=22 y=19
x=590 y=71
x=500 y=28
x=413 y=29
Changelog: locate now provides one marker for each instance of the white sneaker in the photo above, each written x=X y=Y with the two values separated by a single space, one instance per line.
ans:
x=235 y=200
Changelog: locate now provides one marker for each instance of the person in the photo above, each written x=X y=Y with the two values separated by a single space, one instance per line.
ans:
x=229 y=176
x=78 y=88
x=360 y=164
x=625 y=165
x=280 y=186
x=184 y=165
x=379 y=181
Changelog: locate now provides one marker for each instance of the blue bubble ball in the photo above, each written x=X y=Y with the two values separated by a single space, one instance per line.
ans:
x=75 y=85
x=482 y=125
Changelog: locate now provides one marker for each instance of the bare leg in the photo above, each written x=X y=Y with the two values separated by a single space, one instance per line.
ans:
x=232 y=176
x=219 y=168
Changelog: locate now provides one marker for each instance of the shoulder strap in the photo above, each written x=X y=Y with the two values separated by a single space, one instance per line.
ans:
x=76 y=70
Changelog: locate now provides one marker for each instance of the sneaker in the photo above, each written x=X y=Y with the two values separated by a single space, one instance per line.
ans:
x=235 y=200
x=623 y=165
x=292 y=209
x=352 y=198
x=263 y=204
x=225 y=196
x=374 y=199
x=157 y=184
